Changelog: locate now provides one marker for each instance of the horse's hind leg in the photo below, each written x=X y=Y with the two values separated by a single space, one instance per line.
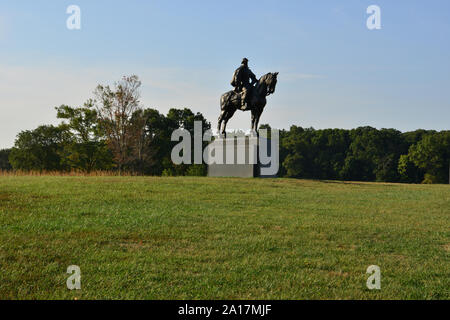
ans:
x=219 y=124
x=252 y=122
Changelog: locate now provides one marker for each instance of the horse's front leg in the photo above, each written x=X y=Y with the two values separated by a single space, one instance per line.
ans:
x=254 y=117
x=227 y=117
x=257 y=121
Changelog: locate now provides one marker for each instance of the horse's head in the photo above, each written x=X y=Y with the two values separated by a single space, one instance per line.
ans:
x=269 y=81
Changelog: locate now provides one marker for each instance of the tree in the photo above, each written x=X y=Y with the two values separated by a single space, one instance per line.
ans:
x=4 y=161
x=407 y=170
x=313 y=154
x=86 y=150
x=298 y=162
x=373 y=155
x=39 y=149
x=432 y=154
x=157 y=133
x=115 y=108
x=184 y=118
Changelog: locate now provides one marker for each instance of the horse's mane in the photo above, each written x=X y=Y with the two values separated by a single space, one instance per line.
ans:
x=262 y=81
x=264 y=77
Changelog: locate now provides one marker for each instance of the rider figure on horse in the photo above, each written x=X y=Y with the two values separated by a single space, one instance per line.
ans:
x=241 y=82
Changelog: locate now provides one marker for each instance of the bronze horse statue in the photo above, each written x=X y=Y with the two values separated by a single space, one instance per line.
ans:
x=231 y=101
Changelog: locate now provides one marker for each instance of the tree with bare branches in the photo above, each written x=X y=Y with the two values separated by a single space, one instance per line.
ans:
x=115 y=107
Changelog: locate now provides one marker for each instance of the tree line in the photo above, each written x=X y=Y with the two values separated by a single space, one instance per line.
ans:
x=113 y=132
x=366 y=154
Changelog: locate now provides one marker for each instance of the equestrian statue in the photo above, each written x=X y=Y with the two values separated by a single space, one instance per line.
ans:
x=249 y=94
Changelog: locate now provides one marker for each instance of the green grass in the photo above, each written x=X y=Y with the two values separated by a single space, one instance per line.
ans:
x=211 y=238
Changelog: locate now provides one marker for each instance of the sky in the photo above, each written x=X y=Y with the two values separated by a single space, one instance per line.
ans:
x=333 y=71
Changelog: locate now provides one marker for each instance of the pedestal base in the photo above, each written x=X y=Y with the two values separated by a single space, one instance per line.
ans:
x=236 y=157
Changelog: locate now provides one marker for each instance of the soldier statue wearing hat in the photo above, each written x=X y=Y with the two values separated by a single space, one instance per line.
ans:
x=241 y=82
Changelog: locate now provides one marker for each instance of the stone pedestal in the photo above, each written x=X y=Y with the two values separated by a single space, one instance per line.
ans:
x=235 y=157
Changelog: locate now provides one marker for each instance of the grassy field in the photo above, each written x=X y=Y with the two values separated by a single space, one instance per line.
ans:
x=207 y=238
